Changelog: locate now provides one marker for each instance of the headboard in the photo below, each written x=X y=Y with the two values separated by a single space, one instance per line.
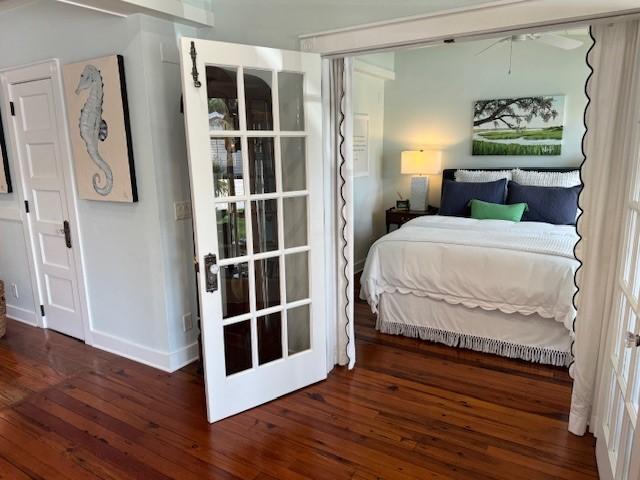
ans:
x=449 y=173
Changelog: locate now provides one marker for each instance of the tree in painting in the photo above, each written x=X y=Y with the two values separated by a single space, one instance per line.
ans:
x=518 y=126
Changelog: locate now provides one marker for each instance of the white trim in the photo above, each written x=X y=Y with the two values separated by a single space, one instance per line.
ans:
x=480 y=21
x=376 y=71
x=173 y=10
x=166 y=361
x=22 y=315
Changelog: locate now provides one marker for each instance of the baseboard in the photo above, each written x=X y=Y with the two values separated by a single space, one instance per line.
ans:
x=358 y=265
x=166 y=361
x=22 y=315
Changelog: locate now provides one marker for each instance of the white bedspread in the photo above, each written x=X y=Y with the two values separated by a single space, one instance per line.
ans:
x=525 y=267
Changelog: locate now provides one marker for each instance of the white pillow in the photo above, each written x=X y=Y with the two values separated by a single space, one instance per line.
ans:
x=479 y=176
x=547 y=179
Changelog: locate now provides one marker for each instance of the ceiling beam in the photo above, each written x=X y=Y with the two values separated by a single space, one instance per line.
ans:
x=480 y=21
x=173 y=10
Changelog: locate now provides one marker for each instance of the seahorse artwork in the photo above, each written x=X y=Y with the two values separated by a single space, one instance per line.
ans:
x=93 y=128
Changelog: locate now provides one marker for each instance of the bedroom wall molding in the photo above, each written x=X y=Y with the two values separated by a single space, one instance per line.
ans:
x=376 y=71
x=471 y=23
x=165 y=361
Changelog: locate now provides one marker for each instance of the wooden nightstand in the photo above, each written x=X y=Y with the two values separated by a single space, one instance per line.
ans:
x=399 y=217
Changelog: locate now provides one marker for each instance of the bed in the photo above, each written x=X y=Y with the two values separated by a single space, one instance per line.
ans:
x=494 y=286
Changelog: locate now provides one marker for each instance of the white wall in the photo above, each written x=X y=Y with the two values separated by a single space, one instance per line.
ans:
x=138 y=260
x=429 y=104
x=369 y=217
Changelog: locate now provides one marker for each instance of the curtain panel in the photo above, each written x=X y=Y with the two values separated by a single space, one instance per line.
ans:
x=610 y=147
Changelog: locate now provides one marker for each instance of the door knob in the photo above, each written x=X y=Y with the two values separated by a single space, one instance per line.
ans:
x=632 y=340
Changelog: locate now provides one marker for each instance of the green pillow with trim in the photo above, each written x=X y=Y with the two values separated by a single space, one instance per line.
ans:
x=496 y=211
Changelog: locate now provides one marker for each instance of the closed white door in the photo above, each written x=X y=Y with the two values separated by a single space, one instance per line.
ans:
x=40 y=155
x=618 y=444
x=254 y=129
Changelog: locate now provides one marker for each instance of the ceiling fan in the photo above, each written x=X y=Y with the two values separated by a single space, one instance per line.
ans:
x=550 y=39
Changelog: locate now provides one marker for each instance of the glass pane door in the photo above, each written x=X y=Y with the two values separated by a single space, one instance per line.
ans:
x=257 y=114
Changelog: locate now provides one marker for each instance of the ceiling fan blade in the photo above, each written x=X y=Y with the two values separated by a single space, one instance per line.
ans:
x=492 y=45
x=559 y=41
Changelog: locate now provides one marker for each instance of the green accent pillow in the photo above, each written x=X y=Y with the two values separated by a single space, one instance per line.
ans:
x=496 y=211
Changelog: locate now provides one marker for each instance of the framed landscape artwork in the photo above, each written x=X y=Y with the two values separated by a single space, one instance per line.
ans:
x=96 y=96
x=5 y=178
x=518 y=126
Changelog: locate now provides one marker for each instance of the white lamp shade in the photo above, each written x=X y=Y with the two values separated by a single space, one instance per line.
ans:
x=421 y=162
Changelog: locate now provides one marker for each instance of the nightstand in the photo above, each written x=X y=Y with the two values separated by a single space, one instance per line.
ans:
x=399 y=217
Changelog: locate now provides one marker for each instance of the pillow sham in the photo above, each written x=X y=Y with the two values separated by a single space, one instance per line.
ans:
x=481 y=175
x=547 y=179
x=495 y=211
x=457 y=195
x=556 y=205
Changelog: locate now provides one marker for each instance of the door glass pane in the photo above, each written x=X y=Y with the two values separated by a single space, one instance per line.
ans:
x=257 y=94
x=626 y=358
x=237 y=347
x=291 y=100
x=296 y=267
x=295 y=221
x=630 y=246
x=234 y=286
x=294 y=172
x=298 y=329
x=262 y=165
x=232 y=232
x=269 y=338
x=226 y=160
x=267 y=283
x=264 y=214
x=222 y=97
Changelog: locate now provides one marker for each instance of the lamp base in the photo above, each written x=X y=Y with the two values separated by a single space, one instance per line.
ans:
x=419 y=199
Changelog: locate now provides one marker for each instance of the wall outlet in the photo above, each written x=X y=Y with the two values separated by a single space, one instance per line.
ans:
x=182 y=210
x=187 y=322
x=14 y=291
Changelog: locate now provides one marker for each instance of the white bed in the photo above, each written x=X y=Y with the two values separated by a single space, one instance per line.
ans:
x=489 y=285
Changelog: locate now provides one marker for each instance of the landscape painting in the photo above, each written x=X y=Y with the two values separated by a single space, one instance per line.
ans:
x=96 y=96
x=518 y=126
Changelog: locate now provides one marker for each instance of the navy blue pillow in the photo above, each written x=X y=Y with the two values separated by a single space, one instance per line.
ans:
x=556 y=205
x=457 y=195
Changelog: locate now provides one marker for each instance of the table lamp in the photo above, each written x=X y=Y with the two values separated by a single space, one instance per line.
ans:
x=420 y=163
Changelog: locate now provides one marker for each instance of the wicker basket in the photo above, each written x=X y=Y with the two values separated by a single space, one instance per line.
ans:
x=3 y=311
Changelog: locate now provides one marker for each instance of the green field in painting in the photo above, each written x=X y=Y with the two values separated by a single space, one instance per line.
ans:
x=551 y=133
x=489 y=148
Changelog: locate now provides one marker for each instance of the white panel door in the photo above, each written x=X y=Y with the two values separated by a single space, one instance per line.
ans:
x=254 y=129
x=40 y=155
x=618 y=444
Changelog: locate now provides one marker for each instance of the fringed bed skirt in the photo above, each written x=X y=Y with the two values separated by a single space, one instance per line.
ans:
x=479 y=344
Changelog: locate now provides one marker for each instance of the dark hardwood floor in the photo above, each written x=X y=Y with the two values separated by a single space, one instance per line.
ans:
x=410 y=410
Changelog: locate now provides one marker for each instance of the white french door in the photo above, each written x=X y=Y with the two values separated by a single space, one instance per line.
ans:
x=254 y=134
x=618 y=444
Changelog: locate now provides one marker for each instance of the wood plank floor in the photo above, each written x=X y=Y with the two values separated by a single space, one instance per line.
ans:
x=410 y=410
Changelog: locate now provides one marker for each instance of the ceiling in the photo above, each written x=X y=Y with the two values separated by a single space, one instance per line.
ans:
x=255 y=21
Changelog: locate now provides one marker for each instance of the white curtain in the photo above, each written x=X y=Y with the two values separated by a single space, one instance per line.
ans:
x=608 y=145
x=337 y=85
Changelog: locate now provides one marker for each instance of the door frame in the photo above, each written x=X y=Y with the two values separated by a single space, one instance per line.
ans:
x=48 y=69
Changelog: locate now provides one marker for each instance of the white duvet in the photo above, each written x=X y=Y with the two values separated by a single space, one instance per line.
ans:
x=525 y=267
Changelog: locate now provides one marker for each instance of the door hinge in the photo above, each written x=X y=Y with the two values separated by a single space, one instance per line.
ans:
x=12 y=107
x=196 y=265
x=26 y=206
x=67 y=233
x=42 y=310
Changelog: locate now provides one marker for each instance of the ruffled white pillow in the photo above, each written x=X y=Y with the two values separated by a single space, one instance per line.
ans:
x=478 y=176
x=547 y=179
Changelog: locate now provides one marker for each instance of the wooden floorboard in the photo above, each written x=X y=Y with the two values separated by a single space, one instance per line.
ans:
x=410 y=410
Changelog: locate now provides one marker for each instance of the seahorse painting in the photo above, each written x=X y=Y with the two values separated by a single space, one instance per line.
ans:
x=93 y=128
